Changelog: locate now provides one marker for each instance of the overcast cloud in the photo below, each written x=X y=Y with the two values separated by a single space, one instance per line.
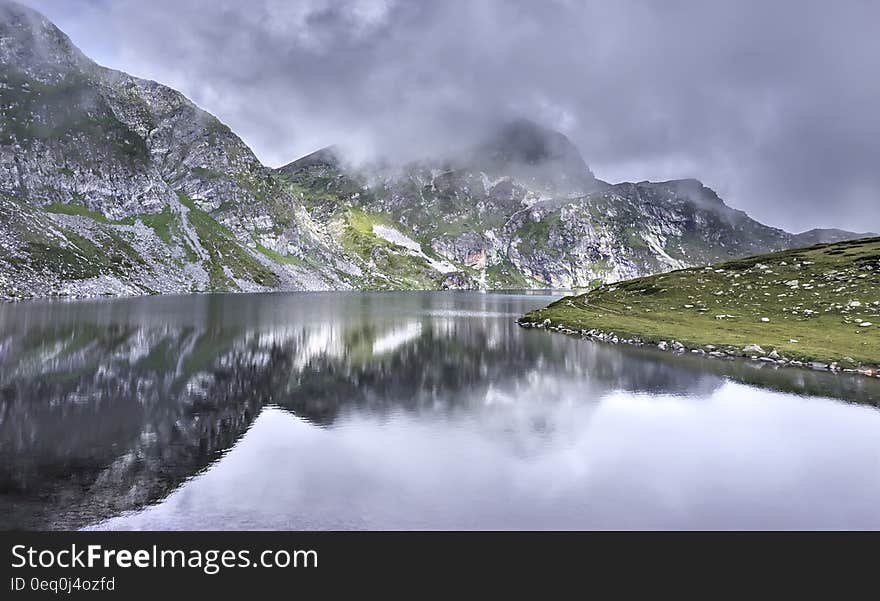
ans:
x=776 y=105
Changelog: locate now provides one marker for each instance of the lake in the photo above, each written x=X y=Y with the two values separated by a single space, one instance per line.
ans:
x=407 y=411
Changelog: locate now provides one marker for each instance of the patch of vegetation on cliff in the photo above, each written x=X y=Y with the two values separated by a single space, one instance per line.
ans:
x=820 y=303
x=224 y=250
x=51 y=249
x=77 y=259
x=323 y=189
x=207 y=174
x=506 y=275
x=404 y=270
x=76 y=210
x=277 y=257
x=535 y=235
x=35 y=111
x=165 y=224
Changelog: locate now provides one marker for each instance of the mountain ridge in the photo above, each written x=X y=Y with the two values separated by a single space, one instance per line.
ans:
x=112 y=184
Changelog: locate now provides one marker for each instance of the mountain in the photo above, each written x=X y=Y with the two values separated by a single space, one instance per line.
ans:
x=827 y=236
x=111 y=184
x=533 y=216
x=527 y=152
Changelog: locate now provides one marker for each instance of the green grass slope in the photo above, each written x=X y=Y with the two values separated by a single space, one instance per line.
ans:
x=816 y=304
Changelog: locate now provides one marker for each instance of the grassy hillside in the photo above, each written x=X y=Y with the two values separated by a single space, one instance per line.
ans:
x=820 y=303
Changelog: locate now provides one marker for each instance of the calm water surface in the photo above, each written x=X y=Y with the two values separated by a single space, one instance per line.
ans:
x=409 y=410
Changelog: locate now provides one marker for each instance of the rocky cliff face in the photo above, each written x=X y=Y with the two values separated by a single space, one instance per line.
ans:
x=527 y=217
x=110 y=184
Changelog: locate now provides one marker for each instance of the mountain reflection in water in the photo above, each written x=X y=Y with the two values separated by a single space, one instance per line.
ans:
x=404 y=410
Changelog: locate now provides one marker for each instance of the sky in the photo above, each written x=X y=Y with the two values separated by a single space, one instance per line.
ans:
x=775 y=105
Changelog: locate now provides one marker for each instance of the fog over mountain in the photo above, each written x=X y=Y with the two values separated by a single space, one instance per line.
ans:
x=773 y=105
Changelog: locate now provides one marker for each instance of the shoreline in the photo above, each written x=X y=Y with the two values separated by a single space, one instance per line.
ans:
x=753 y=352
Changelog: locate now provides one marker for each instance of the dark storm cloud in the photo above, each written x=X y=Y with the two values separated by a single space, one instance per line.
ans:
x=773 y=104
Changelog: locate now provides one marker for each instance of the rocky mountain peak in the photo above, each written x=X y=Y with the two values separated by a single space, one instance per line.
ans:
x=828 y=235
x=695 y=191
x=329 y=156
x=524 y=141
x=35 y=46
x=527 y=150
